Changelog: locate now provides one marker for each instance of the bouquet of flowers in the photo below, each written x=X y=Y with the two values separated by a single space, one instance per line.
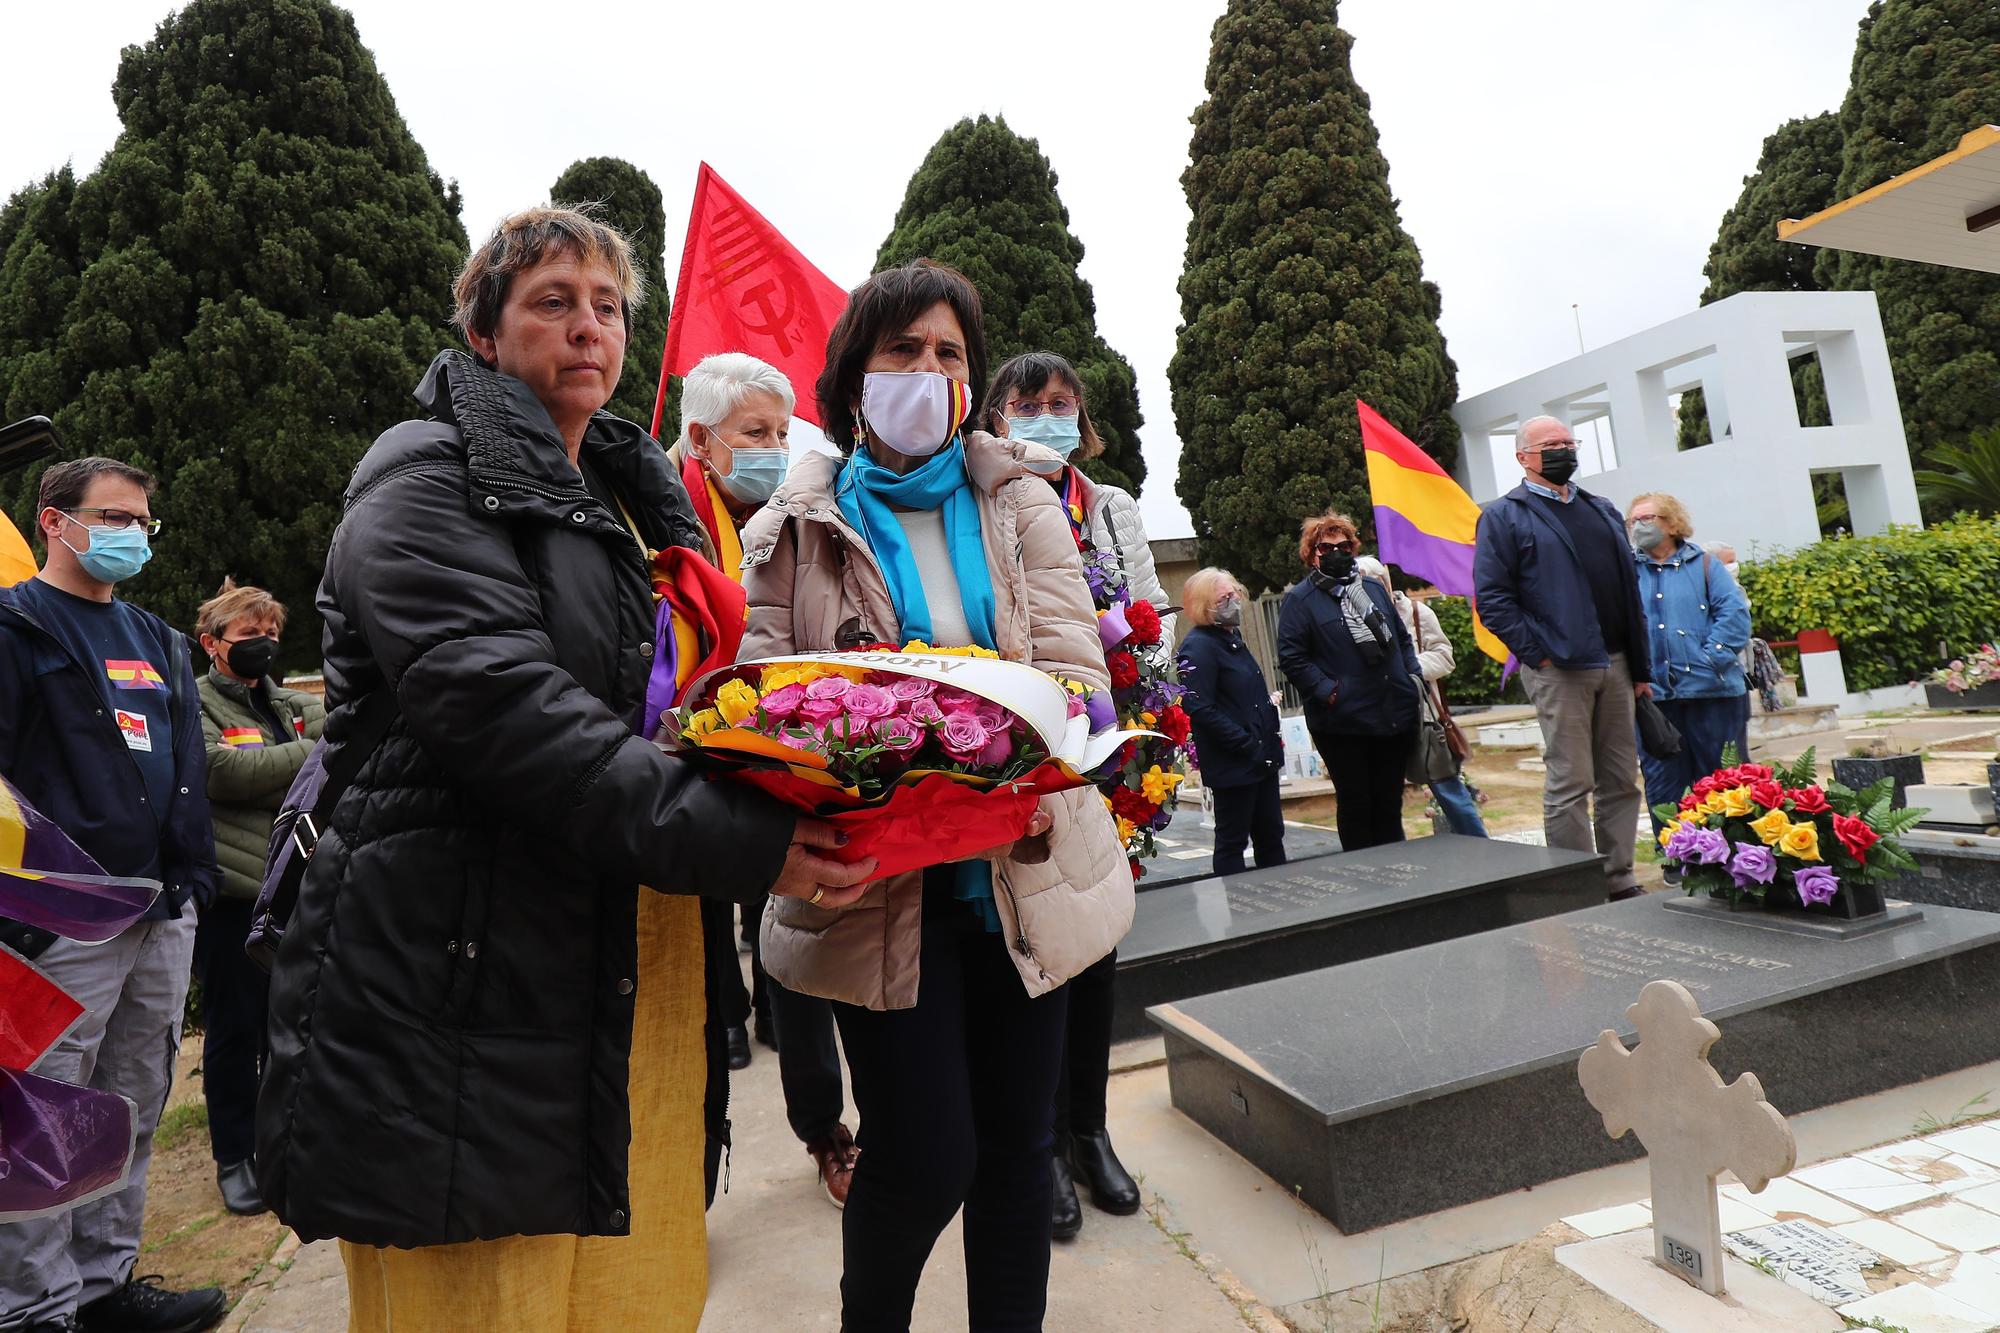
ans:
x=1747 y=830
x=1142 y=784
x=1964 y=674
x=920 y=755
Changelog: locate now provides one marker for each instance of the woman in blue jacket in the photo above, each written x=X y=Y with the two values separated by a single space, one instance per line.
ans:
x=1697 y=622
x=1235 y=724
x=1344 y=649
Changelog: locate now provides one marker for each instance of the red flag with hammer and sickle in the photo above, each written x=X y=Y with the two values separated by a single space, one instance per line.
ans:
x=745 y=288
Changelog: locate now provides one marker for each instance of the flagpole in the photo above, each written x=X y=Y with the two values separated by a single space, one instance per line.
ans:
x=680 y=294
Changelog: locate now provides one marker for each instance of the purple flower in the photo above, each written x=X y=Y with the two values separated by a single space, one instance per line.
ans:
x=1710 y=847
x=1816 y=884
x=909 y=689
x=1102 y=712
x=782 y=703
x=1752 y=864
x=868 y=702
x=1112 y=627
x=962 y=736
x=1681 y=844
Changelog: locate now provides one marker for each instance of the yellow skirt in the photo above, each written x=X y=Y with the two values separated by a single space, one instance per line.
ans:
x=655 y=1278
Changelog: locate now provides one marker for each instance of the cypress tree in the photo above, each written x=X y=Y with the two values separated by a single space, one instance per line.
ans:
x=628 y=200
x=39 y=270
x=1301 y=291
x=1925 y=72
x=264 y=269
x=1796 y=176
x=984 y=201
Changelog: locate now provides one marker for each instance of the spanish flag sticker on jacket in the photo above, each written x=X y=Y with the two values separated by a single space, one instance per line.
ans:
x=243 y=738
x=133 y=674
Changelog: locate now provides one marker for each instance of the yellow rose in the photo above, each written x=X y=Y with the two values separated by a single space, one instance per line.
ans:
x=1736 y=801
x=736 y=700
x=1802 y=841
x=1668 y=830
x=796 y=673
x=1697 y=816
x=1772 y=827
x=702 y=723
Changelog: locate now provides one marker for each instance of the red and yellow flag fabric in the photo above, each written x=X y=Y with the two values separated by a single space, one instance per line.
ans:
x=1424 y=520
x=17 y=562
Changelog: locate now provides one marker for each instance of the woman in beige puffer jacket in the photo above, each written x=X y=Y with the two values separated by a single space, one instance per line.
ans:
x=937 y=1015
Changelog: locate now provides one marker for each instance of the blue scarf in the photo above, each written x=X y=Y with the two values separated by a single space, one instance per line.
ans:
x=864 y=493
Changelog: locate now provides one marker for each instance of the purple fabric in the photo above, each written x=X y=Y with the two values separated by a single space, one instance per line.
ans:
x=661 y=685
x=1447 y=564
x=1100 y=710
x=59 y=1144
x=1112 y=627
x=58 y=887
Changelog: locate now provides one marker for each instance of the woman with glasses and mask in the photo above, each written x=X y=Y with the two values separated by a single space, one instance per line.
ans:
x=1344 y=649
x=259 y=734
x=1038 y=397
x=1699 y=623
x=948 y=984
x=1235 y=722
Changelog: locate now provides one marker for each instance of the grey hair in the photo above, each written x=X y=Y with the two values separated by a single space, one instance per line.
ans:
x=1522 y=429
x=1371 y=568
x=718 y=385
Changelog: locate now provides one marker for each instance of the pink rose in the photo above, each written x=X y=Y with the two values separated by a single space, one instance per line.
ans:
x=828 y=687
x=799 y=738
x=991 y=716
x=908 y=689
x=925 y=713
x=867 y=702
x=898 y=733
x=1075 y=705
x=784 y=702
x=956 y=701
x=999 y=747
x=962 y=736
x=820 y=712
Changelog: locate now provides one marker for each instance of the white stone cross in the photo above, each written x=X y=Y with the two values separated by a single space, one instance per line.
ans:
x=1692 y=1125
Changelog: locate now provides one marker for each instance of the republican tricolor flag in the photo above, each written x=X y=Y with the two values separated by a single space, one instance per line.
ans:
x=1424 y=521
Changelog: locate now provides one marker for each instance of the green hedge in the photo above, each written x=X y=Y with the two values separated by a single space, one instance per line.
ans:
x=1476 y=677
x=1900 y=604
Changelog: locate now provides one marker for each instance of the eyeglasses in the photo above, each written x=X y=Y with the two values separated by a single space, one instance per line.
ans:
x=1349 y=546
x=118 y=518
x=1028 y=409
x=1548 y=444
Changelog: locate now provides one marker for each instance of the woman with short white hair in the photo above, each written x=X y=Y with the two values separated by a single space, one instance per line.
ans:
x=735 y=446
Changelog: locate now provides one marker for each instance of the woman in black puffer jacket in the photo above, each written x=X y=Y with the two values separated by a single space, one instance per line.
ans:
x=456 y=998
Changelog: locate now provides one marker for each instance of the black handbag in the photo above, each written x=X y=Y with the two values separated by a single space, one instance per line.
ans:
x=1433 y=758
x=1657 y=736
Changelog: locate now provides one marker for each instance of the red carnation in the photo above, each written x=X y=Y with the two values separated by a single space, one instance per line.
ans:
x=1124 y=671
x=1808 y=800
x=1144 y=620
x=1138 y=871
x=1174 y=723
x=1767 y=793
x=1855 y=835
x=1754 y=772
x=1129 y=804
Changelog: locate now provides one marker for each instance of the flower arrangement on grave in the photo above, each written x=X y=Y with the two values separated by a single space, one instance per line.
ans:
x=1142 y=784
x=920 y=755
x=1965 y=674
x=1749 y=830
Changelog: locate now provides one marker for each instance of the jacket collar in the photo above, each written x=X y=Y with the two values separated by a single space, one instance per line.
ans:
x=1688 y=551
x=236 y=691
x=513 y=448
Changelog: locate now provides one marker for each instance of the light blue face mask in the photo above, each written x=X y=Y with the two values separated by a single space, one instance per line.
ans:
x=754 y=474
x=1058 y=433
x=114 y=554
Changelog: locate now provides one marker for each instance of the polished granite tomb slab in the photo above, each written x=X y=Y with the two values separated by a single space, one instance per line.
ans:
x=1954 y=869
x=1193 y=852
x=1218 y=932
x=1401 y=1085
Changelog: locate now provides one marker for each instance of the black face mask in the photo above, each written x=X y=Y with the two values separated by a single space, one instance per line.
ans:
x=251 y=658
x=1337 y=565
x=1558 y=465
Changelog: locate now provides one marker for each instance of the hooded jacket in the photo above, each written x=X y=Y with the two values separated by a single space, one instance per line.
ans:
x=451 y=1009
x=814 y=586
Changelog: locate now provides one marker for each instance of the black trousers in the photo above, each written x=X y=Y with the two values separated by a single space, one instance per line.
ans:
x=1367 y=773
x=808 y=1061
x=956 y=1097
x=233 y=995
x=1251 y=812
x=1086 y=1065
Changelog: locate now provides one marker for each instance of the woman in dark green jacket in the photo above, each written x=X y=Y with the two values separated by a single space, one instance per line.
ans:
x=258 y=734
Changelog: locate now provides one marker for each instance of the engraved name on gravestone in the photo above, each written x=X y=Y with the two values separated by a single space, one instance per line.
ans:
x=1824 y=1264
x=1612 y=952
x=1315 y=888
x=1692 y=1125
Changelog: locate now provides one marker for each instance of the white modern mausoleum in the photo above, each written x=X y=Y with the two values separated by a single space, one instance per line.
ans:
x=1750 y=482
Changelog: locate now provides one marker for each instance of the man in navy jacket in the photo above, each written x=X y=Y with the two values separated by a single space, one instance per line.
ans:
x=100 y=729
x=1554 y=577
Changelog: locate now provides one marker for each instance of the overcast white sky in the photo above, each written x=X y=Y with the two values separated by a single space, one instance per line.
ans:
x=1545 y=151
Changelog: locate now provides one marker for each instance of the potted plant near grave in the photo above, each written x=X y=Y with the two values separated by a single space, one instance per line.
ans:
x=1777 y=839
x=1869 y=762
x=1968 y=682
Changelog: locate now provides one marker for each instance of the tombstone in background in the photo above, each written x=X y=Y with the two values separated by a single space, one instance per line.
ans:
x=1693 y=1125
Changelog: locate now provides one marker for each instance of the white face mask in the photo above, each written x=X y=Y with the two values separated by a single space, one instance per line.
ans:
x=916 y=412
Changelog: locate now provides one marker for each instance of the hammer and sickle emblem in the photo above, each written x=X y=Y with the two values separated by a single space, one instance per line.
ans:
x=774 y=303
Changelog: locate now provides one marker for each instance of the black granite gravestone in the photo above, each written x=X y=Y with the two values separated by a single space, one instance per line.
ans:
x=1228 y=931
x=1398 y=1086
x=1954 y=869
x=1187 y=849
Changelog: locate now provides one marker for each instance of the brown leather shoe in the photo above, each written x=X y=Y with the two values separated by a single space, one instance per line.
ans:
x=836 y=1156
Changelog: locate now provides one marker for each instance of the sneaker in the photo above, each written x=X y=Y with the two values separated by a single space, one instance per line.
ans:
x=142 y=1305
x=836 y=1157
